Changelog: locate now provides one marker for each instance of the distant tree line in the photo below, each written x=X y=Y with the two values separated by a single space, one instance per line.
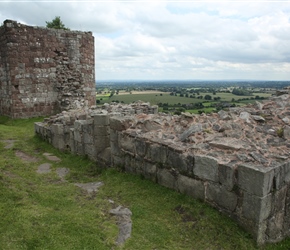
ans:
x=239 y=91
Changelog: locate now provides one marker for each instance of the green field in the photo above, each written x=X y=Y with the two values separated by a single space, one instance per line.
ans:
x=171 y=100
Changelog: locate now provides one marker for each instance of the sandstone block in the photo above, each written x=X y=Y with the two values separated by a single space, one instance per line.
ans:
x=105 y=156
x=118 y=161
x=275 y=226
x=166 y=178
x=88 y=138
x=58 y=141
x=116 y=150
x=193 y=129
x=282 y=175
x=206 y=167
x=139 y=166
x=130 y=164
x=127 y=143
x=38 y=127
x=149 y=171
x=114 y=136
x=182 y=162
x=57 y=129
x=286 y=224
x=256 y=208
x=120 y=123
x=89 y=150
x=101 y=120
x=79 y=148
x=78 y=137
x=101 y=130
x=226 y=174
x=102 y=143
x=157 y=153
x=78 y=125
x=87 y=127
x=191 y=187
x=221 y=196
x=140 y=146
x=224 y=115
x=286 y=132
x=256 y=180
x=228 y=143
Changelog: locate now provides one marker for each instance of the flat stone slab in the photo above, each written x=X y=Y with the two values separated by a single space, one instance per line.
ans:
x=62 y=172
x=90 y=187
x=44 y=168
x=52 y=157
x=228 y=143
x=8 y=143
x=25 y=157
x=124 y=223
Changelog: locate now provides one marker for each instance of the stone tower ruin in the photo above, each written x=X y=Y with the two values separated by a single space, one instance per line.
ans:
x=44 y=71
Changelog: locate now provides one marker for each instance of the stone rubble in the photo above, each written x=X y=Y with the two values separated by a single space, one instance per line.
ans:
x=44 y=168
x=260 y=128
x=51 y=157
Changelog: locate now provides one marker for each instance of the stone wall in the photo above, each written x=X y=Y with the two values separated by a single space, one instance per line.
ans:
x=222 y=159
x=44 y=71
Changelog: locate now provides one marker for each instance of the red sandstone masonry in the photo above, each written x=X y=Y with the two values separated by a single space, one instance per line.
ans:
x=44 y=71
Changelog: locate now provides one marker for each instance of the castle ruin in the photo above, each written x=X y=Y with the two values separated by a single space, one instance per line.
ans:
x=235 y=160
x=44 y=71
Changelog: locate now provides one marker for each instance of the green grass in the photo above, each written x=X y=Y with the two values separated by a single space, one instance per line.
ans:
x=171 y=100
x=40 y=212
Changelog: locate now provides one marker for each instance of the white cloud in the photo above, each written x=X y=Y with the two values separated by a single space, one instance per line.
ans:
x=210 y=40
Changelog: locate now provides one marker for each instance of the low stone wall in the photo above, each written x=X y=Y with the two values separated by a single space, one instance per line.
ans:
x=255 y=193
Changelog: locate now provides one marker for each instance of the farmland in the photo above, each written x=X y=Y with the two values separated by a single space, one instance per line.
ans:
x=180 y=98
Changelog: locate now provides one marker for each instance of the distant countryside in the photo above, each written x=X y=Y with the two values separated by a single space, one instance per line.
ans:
x=187 y=96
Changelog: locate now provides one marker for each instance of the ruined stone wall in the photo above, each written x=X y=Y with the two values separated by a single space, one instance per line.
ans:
x=222 y=159
x=44 y=71
x=257 y=197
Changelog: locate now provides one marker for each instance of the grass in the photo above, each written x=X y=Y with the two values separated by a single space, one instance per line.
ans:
x=40 y=212
x=171 y=100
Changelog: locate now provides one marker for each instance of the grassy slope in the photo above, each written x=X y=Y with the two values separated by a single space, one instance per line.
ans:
x=40 y=212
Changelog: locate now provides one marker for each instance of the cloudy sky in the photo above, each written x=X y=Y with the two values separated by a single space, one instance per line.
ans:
x=174 y=39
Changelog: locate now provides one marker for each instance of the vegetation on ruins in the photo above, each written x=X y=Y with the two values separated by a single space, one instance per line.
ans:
x=56 y=23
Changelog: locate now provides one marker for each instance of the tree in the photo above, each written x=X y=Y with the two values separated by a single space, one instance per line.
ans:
x=207 y=97
x=56 y=23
